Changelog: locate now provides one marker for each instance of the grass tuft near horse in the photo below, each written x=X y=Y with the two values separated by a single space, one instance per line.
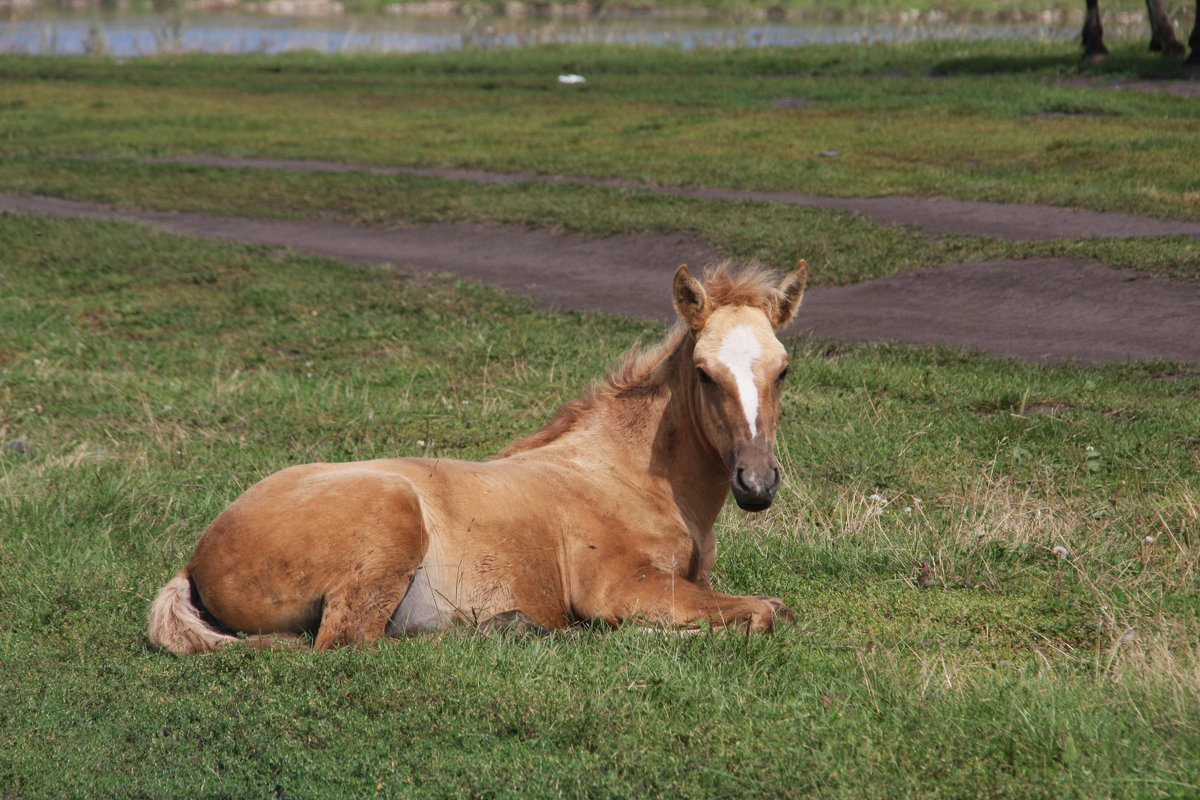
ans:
x=606 y=513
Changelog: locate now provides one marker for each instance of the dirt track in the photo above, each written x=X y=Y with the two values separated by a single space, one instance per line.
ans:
x=1013 y=221
x=1041 y=311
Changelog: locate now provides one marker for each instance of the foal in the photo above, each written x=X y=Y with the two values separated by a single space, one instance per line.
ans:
x=606 y=513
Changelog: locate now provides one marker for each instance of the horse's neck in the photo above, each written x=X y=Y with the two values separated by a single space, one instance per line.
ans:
x=657 y=432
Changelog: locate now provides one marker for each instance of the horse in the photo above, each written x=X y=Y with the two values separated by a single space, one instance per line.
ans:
x=1162 y=35
x=605 y=514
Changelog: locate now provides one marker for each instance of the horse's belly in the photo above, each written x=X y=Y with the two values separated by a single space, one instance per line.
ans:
x=422 y=609
x=470 y=579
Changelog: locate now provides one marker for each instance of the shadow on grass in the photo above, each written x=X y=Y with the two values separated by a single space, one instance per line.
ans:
x=1128 y=62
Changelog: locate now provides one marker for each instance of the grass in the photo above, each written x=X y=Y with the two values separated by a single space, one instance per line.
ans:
x=977 y=120
x=943 y=649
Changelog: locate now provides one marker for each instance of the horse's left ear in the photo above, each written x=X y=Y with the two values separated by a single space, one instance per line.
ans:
x=791 y=289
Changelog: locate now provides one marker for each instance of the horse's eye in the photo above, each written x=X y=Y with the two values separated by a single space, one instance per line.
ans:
x=783 y=374
x=703 y=376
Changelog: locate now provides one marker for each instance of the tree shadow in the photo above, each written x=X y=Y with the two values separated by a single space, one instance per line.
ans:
x=1126 y=61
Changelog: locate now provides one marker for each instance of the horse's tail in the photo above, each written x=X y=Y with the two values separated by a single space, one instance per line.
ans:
x=177 y=625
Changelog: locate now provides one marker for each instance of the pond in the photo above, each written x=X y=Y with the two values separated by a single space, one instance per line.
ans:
x=123 y=33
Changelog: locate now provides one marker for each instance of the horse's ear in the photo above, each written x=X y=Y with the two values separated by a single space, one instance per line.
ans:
x=691 y=301
x=792 y=290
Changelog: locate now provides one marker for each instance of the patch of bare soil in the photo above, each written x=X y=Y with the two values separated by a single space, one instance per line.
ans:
x=628 y=274
x=1040 y=310
x=1013 y=221
x=1182 y=88
x=1043 y=310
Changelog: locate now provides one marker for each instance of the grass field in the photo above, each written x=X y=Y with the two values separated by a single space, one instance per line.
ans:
x=944 y=647
x=155 y=377
x=978 y=120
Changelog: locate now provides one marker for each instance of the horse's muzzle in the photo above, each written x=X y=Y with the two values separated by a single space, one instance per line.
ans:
x=755 y=488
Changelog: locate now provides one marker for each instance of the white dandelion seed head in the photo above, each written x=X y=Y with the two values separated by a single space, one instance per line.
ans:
x=1148 y=539
x=876 y=498
x=1059 y=551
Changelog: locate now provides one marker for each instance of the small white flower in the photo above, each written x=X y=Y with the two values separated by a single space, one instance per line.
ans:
x=908 y=509
x=420 y=442
x=308 y=374
x=876 y=498
x=1148 y=539
x=166 y=408
x=1059 y=551
x=1089 y=448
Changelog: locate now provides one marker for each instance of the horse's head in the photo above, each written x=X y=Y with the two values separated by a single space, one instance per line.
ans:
x=739 y=370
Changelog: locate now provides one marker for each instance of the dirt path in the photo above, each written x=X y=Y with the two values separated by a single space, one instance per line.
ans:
x=1015 y=221
x=1040 y=310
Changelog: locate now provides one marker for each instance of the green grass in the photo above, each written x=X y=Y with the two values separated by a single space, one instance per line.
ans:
x=943 y=650
x=977 y=120
x=157 y=376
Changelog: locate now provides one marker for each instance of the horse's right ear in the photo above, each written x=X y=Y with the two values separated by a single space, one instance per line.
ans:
x=691 y=301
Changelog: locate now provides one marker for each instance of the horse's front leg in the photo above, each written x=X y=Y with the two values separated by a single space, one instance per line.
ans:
x=629 y=592
x=1191 y=67
x=1093 y=34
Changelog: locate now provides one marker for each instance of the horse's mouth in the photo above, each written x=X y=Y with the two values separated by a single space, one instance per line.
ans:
x=747 y=505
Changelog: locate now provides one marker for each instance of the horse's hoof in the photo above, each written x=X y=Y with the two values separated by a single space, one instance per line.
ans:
x=765 y=620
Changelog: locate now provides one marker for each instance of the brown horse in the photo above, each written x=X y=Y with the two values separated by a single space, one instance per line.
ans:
x=605 y=514
x=1162 y=35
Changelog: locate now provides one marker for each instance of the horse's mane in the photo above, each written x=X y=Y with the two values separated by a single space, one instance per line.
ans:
x=638 y=372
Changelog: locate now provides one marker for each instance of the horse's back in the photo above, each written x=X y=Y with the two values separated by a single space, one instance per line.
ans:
x=275 y=557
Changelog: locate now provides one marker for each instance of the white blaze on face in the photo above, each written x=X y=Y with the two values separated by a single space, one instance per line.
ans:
x=740 y=349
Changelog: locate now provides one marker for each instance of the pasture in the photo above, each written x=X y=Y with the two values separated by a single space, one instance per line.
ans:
x=993 y=565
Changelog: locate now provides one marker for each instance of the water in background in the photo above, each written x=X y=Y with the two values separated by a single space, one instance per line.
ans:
x=132 y=34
